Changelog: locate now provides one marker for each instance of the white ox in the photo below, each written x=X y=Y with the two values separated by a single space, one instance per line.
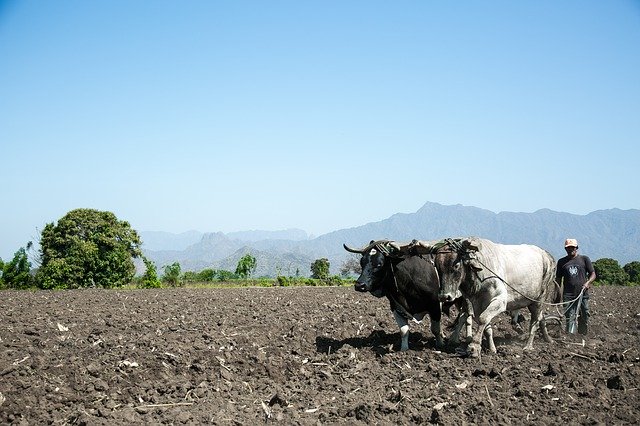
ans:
x=494 y=278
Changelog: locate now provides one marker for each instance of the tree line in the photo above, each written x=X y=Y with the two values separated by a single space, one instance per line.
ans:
x=92 y=248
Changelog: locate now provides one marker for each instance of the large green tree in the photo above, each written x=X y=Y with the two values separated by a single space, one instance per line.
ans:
x=87 y=248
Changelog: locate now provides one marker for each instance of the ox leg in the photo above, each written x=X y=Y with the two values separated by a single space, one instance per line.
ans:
x=469 y=321
x=436 y=329
x=404 y=330
x=488 y=332
x=464 y=320
x=461 y=321
x=494 y=308
x=536 y=318
x=515 y=321
x=543 y=328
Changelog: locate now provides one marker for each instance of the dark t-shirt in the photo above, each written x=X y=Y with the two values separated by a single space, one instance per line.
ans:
x=574 y=272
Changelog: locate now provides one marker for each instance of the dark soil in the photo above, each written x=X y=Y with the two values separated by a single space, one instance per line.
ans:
x=297 y=356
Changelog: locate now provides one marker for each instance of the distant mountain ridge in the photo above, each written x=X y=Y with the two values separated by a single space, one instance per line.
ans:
x=612 y=233
x=160 y=240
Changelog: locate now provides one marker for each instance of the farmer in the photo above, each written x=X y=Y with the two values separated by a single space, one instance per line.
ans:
x=575 y=273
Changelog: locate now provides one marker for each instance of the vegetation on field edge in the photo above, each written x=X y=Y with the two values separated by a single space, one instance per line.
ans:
x=93 y=249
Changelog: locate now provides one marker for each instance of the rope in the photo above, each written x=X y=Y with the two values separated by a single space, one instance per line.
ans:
x=578 y=306
x=458 y=248
x=524 y=295
x=569 y=303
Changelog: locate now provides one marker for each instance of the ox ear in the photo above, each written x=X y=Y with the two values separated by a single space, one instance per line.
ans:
x=388 y=248
x=475 y=265
x=392 y=248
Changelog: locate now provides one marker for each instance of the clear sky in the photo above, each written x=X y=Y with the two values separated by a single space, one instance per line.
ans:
x=318 y=115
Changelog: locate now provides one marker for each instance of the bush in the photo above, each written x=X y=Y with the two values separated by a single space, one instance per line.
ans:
x=226 y=275
x=16 y=273
x=609 y=272
x=633 y=271
x=206 y=275
x=246 y=266
x=283 y=281
x=150 y=277
x=320 y=269
x=172 y=274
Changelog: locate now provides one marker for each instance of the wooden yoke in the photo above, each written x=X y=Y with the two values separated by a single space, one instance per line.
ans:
x=432 y=247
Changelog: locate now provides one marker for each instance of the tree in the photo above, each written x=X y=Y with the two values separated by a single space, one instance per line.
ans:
x=207 y=275
x=609 y=272
x=633 y=270
x=320 y=269
x=172 y=274
x=246 y=266
x=16 y=273
x=150 y=276
x=351 y=264
x=87 y=248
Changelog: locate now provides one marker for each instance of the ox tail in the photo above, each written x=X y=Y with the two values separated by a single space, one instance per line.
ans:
x=550 y=283
x=558 y=292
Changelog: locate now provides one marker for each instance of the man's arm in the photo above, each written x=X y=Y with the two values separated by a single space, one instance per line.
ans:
x=592 y=273
x=592 y=278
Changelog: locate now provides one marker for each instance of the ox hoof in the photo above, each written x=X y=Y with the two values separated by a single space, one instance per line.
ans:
x=474 y=351
x=462 y=351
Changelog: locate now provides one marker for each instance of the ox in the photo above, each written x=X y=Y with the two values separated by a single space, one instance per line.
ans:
x=494 y=278
x=410 y=282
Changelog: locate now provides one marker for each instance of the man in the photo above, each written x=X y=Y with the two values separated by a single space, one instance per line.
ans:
x=575 y=273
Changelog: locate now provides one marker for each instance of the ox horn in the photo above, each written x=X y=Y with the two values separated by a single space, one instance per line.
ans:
x=363 y=250
x=352 y=250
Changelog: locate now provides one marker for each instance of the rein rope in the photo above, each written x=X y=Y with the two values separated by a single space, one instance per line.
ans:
x=524 y=295
x=458 y=248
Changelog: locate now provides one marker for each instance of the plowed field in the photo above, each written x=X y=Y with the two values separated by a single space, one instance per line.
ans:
x=297 y=356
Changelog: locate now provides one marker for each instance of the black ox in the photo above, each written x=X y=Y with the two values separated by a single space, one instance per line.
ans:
x=410 y=282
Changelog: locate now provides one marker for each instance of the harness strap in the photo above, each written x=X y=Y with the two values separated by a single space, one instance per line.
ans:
x=400 y=308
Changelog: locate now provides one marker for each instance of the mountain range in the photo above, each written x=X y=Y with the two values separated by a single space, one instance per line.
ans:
x=612 y=233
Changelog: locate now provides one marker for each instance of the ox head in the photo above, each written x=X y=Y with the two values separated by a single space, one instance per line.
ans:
x=374 y=264
x=454 y=261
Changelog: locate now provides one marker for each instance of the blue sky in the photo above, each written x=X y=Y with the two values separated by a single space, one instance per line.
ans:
x=318 y=115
